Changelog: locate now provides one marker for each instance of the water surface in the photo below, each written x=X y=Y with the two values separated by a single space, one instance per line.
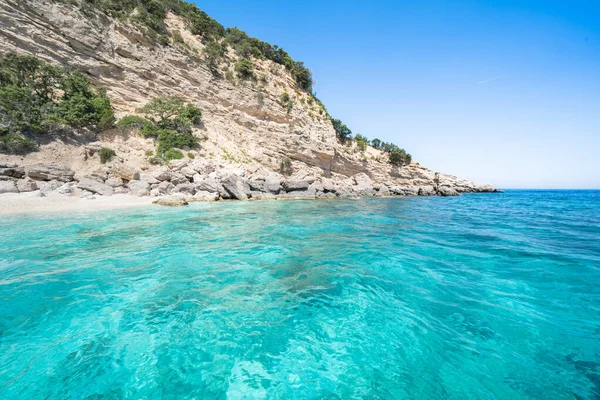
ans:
x=479 y=297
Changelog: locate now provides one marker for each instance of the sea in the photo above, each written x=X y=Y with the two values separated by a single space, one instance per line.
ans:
x=483 y=296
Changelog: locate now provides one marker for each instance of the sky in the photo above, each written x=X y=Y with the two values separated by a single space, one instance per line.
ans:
x=500 y=92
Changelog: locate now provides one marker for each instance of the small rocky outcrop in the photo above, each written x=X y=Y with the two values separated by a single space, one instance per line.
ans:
x=49 y=172
x=170 y=201
x=95 y=187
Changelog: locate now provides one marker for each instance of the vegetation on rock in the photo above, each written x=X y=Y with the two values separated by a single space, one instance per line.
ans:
x=244 y=68
x=151 y=15
x=106 y=155
x=170 y=121
x=38 y=98
x=287 y=102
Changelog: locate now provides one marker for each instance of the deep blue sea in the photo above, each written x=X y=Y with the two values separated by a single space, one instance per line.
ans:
x=489 y=296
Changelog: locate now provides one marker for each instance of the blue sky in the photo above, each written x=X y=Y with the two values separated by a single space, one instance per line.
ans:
x=504 y=92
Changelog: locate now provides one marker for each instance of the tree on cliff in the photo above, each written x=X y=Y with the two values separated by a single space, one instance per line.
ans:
x=38 y=98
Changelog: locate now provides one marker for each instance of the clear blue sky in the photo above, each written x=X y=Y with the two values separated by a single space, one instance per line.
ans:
x=415 y=73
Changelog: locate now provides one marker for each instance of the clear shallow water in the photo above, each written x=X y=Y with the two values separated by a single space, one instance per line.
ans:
x=477 y=297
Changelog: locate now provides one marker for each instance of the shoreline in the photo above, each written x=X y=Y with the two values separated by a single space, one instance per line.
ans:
x=32 y=203
x=12 y=204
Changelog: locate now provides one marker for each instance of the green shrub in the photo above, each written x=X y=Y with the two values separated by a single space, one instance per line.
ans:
x=191 y=155
x=342 y=131
x=399 y=157
x=149 y=153
x=244 y=68
x=361 y=142
x=172 y=113
x=213 y=52
x=134 y=122
x=106 y=155
x=16 y=144
x=36 y=97
x=287 y=102
x=168 y=139
x=172 y=154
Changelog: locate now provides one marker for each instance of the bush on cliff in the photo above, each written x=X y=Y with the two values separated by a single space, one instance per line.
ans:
x=399 y=157
x=170 y=121
x=106 y=155
x=342 y=132
x=244 y=68
x=37 y=98
x=151 y=15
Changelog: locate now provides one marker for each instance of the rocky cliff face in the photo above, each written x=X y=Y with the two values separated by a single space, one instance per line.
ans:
x=246 y=131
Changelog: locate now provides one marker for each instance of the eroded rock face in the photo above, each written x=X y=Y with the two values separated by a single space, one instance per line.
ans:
x=49 y=172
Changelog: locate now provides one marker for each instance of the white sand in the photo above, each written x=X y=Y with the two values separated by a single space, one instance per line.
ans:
x=29 y=203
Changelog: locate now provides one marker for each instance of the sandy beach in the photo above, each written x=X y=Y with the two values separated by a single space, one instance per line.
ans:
x=29 y=203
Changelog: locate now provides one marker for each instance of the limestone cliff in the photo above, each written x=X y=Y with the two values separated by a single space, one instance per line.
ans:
x=245 y=127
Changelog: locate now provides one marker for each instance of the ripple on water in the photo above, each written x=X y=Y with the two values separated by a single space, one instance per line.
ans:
x=487 y=296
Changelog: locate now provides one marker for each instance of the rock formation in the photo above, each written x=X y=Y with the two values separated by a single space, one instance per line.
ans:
x=246 y=138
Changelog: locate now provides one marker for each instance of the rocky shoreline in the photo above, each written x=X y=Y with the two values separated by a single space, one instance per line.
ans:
x=188 y=181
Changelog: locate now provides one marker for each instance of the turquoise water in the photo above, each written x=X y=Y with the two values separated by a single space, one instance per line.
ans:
x=491 y=296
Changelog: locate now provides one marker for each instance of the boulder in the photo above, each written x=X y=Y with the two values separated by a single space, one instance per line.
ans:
x=178 y=179
x=291 y=185
x=197 y=178
x=206 y=196
x=384 y=191
x=49 y=172
x=121 y=190
x=208 y=185
x=170 y=201
x=177 y=165
x=189 y=188
x=363 y=185
x=12 y=171
x=8 y=187
x=446 y=191
x=139 y=188
x=114 y=182
x=328 y=185
x=95 y=187
x=236 y=186
x=426 y=191
x=47 y=187
x=67 y=188
x=362 y=179
x=98 y=175
x=188 y=172
x=125 y=172
x=273 y=183
x=149 y=178
x=165 y=187
x=26 y=185
x=162 y=174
